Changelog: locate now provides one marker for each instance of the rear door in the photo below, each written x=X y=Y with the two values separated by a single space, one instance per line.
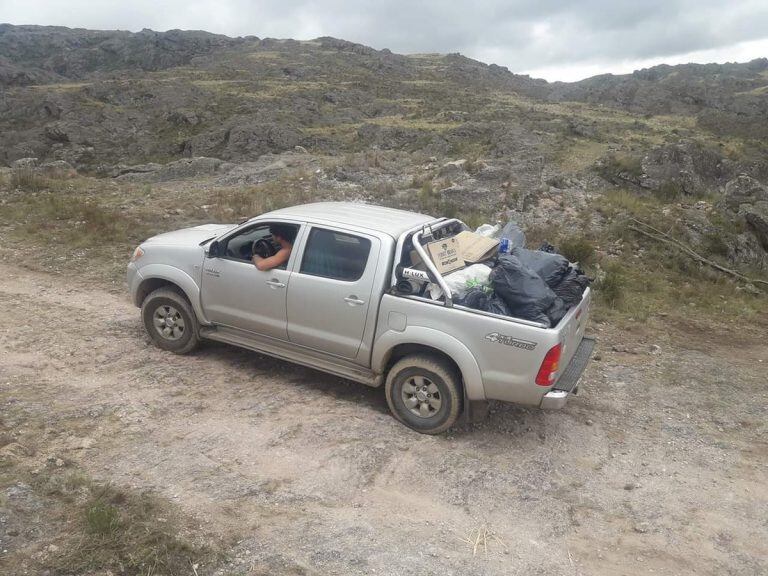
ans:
x=330 y=290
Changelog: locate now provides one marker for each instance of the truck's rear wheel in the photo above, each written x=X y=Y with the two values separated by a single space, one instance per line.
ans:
x=424 y=393
x=170 y=321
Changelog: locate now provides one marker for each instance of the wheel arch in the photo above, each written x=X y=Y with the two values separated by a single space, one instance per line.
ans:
x=393 y=345
x=161 y=275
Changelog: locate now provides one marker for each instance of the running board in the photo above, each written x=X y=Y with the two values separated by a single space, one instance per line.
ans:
x=357 y=374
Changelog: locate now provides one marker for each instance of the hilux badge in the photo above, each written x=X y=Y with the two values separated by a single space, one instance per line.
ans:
x=509 y=341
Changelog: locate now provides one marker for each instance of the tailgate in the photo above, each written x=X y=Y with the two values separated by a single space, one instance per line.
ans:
x=572 y=329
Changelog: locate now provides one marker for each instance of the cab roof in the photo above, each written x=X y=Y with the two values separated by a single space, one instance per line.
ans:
x=389 y=221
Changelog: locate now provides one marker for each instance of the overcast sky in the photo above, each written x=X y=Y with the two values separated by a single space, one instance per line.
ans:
x=552 y=39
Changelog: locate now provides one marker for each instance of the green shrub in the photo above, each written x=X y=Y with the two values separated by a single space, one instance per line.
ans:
x=420 y=180
x=102 y=518
x=669 y=191
x=622 y=164
x=623 y=201
x=715 y=244
x=473 y=219
x=577 y=249
x=428 y=199
x=473 y=165
x=610 y=287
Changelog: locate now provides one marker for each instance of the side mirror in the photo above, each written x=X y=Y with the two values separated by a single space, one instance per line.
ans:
x=213 y=249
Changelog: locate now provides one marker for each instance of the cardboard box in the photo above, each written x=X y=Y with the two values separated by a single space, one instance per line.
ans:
x=475 y=247
x=445 y=255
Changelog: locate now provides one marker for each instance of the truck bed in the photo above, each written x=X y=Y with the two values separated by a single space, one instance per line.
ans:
x=510 y=350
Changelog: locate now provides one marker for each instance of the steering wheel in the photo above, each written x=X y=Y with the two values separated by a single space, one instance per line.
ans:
x=264 y=248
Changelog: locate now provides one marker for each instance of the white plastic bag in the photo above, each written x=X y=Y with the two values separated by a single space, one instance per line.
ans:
x=462 y=280
x=487 y=230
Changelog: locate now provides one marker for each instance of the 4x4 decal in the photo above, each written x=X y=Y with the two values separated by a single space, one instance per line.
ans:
x=509 y=341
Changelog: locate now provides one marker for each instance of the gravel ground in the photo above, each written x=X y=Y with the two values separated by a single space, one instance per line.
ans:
x=658 y=466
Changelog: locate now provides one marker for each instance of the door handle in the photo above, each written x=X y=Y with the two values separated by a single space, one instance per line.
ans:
x=354 y=301
x=275 y=283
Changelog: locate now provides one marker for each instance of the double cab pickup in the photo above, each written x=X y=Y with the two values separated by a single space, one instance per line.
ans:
x=344 y=302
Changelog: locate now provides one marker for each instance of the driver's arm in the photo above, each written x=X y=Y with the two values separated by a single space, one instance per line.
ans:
x=278 y=259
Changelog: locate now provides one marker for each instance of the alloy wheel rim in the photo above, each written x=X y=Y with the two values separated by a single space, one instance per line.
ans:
x=168 y=322
x=421 y=396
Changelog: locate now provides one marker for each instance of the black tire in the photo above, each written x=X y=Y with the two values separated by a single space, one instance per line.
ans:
x=422 y=369
x=177 y=337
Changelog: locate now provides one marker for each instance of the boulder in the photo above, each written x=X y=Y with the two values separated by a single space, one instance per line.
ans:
x=671 y=168
x=253 y=140
x=452 y=168
x=24 y=163
x=182 y=117
x=757 y=219
x=57 y=168
x=56 y=132
x=744 y=190
x=137 y=169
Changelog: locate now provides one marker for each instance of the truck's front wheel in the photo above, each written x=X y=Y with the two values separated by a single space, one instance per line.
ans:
x=424 y=393
x=170 y=321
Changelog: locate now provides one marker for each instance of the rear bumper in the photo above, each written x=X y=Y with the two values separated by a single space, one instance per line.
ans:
x=569 y=380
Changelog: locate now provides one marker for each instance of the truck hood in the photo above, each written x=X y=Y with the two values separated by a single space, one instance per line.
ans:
x=190 y=236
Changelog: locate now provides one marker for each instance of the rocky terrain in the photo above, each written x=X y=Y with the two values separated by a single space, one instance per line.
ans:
x=118 y=459
x=461 y=134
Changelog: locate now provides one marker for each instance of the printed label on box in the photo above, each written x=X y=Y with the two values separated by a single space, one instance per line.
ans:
x=445 y=255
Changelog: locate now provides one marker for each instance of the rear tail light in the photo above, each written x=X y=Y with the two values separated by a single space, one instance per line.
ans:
x=548 y=370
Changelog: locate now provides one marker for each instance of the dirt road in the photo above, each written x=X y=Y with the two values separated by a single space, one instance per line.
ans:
x=659 y=466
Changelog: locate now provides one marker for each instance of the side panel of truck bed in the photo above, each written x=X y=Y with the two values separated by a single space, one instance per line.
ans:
x=509 y=353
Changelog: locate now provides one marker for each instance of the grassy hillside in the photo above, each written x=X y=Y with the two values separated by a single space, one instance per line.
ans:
x=136 y=133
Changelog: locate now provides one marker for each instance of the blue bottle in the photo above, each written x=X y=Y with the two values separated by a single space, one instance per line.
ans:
x=504 y=246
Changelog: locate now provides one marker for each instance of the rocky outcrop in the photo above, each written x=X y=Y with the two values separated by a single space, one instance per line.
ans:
x=244 y=141
x=25 y=163
x=728 y=98
x=388 y=137
x=178 y=170
x=686 y=168
x=744 y=191
x=757 y=219
x=749 y=199
x=40 y=54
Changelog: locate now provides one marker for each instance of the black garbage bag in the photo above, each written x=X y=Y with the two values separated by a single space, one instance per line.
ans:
x=479 y=299
x=550 y=267
x=523 y=291
x=513 y=233
x=572 y=286
x=557 y=311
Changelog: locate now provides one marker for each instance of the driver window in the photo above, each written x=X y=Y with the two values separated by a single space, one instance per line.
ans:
x=241 y=246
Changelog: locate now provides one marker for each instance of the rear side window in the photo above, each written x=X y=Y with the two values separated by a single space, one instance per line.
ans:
x=335 y=255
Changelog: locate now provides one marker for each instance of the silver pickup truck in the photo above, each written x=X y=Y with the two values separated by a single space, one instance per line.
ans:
x=341 y=304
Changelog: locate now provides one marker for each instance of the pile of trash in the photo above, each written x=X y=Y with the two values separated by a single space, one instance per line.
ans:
x=539 y=285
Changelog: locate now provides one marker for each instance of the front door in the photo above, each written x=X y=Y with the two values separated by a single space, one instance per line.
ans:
x=330 y=292
x=238 y=295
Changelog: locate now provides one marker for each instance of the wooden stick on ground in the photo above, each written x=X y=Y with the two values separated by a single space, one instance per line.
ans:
x=660 y=236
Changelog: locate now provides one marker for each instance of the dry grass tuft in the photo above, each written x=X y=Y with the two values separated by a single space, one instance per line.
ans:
x=127 y=532
x=28 y=179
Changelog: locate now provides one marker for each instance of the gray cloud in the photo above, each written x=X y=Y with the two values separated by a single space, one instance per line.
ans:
x=521 y=34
